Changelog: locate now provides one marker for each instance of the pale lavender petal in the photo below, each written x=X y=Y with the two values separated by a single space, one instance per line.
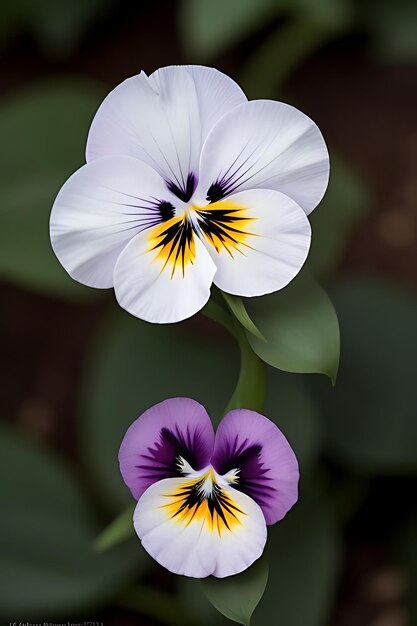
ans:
x=178 y=427
x=268 y=468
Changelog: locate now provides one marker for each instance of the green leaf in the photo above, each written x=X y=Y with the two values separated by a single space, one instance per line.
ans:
x=345 y=202
x=236 y=305
x=300 y=326
x=120 y=529
x=370 y=416
x=134 y=365
x=208 y=27
x=47 y=527
x=237 y=597
x=304 y=555
x=43 y=130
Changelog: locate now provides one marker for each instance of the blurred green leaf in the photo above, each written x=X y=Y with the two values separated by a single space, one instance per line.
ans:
x=158 y=604
x=304 y=556
x=60 y=26
x=134 y=365
x=304 y=561
x=292 y=43
x=393 y=26
x=345 y=202
x=43 y=130
x=334 y=15
x=120 y=529
x=237 y=597
x=300 y=326
x=208 y=27
x=296 y=412
x=47 y=527
x=371 y=416
x=10 y=21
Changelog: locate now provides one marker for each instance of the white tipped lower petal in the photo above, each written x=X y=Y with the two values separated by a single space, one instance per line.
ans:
x=98 y=210
x=191 y=541
x=268 y=145
x=164 y=275
x=163 y=119
x=258 y=239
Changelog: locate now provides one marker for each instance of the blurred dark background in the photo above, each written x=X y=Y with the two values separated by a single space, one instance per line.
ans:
x=75 y=371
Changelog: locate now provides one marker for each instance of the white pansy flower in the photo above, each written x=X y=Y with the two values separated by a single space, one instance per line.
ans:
x=187 y=183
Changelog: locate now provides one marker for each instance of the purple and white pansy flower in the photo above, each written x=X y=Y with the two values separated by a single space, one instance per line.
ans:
x=187 y=183
x=205 y=498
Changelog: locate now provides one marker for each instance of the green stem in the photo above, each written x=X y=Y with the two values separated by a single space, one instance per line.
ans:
x=249 y=392
x=120 y=529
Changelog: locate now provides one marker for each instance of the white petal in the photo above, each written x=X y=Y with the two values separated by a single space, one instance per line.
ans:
x=159 y=289
x=270 y=145
x=98 y=210
x=194 y=545
x=217 y=94
x=264 y=244
x=164 y=119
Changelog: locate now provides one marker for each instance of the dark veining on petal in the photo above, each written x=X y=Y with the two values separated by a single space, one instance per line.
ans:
x=252 y=476
x=162 y=460
x=185 y=192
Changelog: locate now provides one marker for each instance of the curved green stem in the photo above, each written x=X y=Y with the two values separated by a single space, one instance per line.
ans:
x=249 y=392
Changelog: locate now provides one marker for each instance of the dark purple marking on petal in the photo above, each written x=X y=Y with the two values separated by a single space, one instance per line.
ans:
x=267 y=467
x=216 y=192
x=252 y=478
x=161 y=460
x=151 y=447
x=185 y=191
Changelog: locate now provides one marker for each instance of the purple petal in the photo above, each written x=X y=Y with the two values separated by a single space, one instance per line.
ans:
x=175 y=428
x=268 y=468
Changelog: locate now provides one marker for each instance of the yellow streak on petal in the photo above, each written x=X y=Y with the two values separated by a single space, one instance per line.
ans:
x=225 y=225
x=185 y=507
x=174 y=242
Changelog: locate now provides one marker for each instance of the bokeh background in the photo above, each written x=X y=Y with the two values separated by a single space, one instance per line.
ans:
x=75 y=370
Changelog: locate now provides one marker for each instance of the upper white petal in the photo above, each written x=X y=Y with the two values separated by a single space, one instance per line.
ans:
x=270 y=145
x=156 y=294
x=98 y=210
x=272 y=248
x=189 y=547
x=217 y=94
x=163 y=119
